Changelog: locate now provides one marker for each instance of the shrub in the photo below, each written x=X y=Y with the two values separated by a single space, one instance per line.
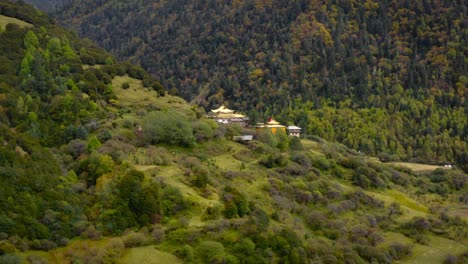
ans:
x=350 y=163
x=232 y=130
x=274 y=160
x=7 y=248
x=134 y=239
x=450 y=259
x=113 y=250
x=322 y=163
x=385 y=157
x=158 y=234
x=36 y=259
x=213 y=212
x=186 y=253
x=10 y=259
x=92 y=233
x=43 y=244
x=316 y=220
x=398 y=250
x=209 y=249
x=171 y=201
x=283 y=140
x=230 y=209
x=125 y=85
x=168 y=127
x=295 y=144
x=202 y=130
x=93 y=144
x=267 y=137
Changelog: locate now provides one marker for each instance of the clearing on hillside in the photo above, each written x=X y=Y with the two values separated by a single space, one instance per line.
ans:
x=138 y=97
x=148 y=255
x=5 y=20
x=416 y=167
x=435 y=252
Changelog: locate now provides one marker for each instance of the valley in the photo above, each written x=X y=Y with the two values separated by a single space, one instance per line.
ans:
x=102 y=162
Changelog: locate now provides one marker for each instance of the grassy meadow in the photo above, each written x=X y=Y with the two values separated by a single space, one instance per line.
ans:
x=4 y=20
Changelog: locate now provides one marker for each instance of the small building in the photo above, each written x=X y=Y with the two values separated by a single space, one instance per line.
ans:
x=294 y=131
x=273 y=125
x=243 y=138
x=224 y=115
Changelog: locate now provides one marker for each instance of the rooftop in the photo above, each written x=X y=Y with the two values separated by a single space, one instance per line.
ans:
x=223 y=110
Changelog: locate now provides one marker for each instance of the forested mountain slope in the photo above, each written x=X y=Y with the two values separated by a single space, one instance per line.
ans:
x=382 y=76
x=99 y=165
x=46 y=5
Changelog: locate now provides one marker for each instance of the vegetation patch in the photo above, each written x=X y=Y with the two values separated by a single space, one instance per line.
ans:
x=436 y=251
x=148 y=255
x=5 y=20
x=417 y=167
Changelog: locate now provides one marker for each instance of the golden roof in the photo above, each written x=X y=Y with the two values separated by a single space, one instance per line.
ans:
x=222 y=110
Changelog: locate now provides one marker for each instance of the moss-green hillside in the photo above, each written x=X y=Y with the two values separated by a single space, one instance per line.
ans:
x=99 y=165
x=4 y=20
x=386 y=77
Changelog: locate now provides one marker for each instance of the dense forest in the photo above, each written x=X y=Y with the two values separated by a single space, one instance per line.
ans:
x=99 y=164
x=46 y=5
x=385 y=77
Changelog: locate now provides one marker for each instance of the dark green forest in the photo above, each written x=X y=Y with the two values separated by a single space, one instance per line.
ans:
x=45 y=5
x=385 y=77
x=98 y=160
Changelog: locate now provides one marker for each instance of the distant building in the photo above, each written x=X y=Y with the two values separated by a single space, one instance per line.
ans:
x=294 y=131
x=243 y=138
x=273 y=125
x=223 y=115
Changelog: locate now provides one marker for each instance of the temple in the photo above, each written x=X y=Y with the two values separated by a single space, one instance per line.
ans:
x=273 y=125
x=224 y=115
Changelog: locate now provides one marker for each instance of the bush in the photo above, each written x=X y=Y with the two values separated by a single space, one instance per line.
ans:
x=350 y=163
x=274 y=160
x=385 y=157
x=125 y=85
x=186 y=253
x=202 y=130
x=450 y=259
x=168 y=127
x=134 y=239
x=10 y=259
x=36 y=259
x=213 y=212
x=322 y=163
x=113 y=250
x=232 y=130
x=171 y=201
x=43 y=244
x=295 y=144
x=7 y=248
x=267 y=137
x=92 y=233
x=207 y=250
x=158 y=234
x=398 y=250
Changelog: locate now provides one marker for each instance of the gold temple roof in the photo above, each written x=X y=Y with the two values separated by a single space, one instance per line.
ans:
x=222 y=110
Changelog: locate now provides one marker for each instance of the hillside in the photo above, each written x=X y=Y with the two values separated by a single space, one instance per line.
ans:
x=46 y=5
x=384 y=77
x=100 y=165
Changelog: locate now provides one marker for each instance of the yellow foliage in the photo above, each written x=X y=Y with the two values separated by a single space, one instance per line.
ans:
x=257 y=73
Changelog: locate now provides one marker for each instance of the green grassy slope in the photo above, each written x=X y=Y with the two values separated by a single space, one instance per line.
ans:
x=4 y=20
x=386 y=77
x=88 y=176
x=253 y=180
